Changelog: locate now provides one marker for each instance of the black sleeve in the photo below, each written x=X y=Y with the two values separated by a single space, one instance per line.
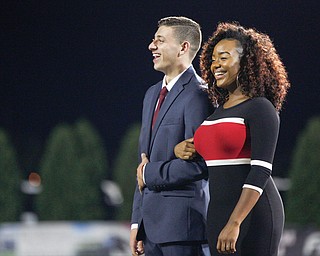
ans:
x=263 y=122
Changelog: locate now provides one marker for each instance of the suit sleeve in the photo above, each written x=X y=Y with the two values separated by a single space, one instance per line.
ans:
x=136 y=214
x=164 y=175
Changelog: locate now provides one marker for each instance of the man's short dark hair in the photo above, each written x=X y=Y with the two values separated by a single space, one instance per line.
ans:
x=186 y=30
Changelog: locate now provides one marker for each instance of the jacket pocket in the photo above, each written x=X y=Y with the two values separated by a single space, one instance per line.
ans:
x=171 y=121
x=178 y=193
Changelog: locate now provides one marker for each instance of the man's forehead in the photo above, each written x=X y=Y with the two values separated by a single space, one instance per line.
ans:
x=164 y=30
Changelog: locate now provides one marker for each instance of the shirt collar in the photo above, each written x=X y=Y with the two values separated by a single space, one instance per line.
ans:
x=173 y=81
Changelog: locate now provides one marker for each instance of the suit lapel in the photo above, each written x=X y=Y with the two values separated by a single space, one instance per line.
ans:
x=149 y=112
x=152 y=103
x=171 y=97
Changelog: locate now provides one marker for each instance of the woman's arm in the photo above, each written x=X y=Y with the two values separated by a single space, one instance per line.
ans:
x=263 y=123
x=229 y=234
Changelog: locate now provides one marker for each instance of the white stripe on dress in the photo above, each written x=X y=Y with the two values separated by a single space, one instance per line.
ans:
x=259 y=190
x=236 y=120
x=228 y=162
x=262 y=163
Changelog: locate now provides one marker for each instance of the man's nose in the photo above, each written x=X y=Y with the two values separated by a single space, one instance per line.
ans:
x=152 y=46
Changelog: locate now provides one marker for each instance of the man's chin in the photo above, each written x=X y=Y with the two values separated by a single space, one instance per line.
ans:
x=156 y=67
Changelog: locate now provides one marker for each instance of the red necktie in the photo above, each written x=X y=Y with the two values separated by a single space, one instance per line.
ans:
x=163 y=94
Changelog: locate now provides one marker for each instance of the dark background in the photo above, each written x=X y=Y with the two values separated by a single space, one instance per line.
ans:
x=65 y=60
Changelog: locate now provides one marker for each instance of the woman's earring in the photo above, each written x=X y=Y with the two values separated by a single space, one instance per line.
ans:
x=237 y=80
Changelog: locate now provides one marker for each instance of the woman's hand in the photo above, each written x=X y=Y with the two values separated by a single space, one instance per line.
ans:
x=228 y=237
x=185 y=150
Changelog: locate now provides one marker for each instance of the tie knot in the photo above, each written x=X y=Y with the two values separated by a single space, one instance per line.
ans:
x=164 y=91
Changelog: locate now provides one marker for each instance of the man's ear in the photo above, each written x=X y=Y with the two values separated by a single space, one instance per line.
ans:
x=185 y=47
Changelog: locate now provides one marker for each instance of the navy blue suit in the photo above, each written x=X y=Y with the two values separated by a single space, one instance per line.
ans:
x=173 y=204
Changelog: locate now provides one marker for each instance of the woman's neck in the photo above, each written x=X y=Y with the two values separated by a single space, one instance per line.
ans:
x=234 y=98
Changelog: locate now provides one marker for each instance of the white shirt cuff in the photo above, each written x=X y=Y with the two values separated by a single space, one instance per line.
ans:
x=134 y=226
x=144 y=167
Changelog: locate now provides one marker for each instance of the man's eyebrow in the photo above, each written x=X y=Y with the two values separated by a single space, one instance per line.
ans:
x=159 y=36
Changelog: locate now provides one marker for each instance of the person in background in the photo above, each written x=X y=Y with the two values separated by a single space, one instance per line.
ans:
x=171 y=197
x=248 y=83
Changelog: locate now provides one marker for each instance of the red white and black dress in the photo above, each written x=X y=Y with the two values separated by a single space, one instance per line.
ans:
x=238 y=145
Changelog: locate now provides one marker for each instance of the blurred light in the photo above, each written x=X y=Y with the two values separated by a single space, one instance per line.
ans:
x=32 y=186
x=112 y=192
x=34 y=179
x=283 y=184
x=29 y=218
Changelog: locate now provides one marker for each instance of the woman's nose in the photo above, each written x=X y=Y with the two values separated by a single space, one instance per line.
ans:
x=214 y=65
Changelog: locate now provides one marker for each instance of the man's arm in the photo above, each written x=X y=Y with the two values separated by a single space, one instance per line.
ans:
x=162 y=175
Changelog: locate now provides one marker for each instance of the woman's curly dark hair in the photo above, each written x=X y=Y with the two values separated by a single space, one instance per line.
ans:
x=261 y=74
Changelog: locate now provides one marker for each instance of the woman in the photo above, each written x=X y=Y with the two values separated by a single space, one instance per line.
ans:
x=248 y=84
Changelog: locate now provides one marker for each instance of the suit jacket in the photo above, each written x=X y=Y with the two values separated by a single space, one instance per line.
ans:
x=174 y=202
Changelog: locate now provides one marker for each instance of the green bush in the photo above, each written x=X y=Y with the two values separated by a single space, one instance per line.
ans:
x=303 y=199
x=72 y=168
x=125 y=170
x=92 y=165
x=10 y=179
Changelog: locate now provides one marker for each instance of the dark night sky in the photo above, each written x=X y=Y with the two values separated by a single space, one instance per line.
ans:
x=63 y=60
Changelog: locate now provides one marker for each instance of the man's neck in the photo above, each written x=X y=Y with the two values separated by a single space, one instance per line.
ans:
x=171 y=75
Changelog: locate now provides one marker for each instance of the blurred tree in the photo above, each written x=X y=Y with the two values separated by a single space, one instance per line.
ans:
x=58 y=170
x=302 y=204
x=10 y=179
x=125 y=170
x=72 y=169
x=92 y=166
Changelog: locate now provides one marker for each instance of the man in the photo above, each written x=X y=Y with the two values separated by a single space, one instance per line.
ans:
x=170 y=202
